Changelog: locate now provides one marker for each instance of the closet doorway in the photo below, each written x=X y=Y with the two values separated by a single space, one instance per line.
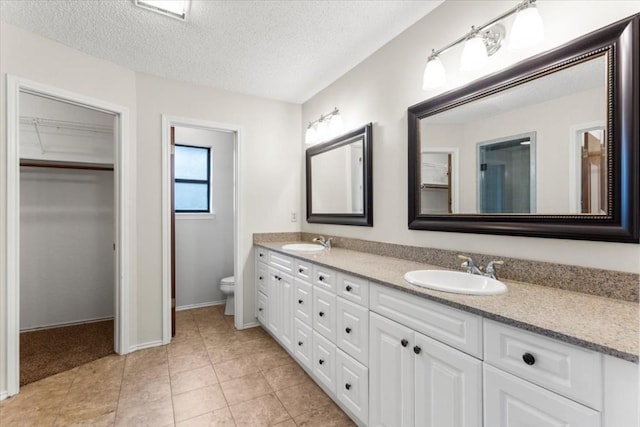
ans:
x=67 y=231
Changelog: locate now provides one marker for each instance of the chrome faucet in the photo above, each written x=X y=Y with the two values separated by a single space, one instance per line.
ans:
x=326 y=243
x=472 y=268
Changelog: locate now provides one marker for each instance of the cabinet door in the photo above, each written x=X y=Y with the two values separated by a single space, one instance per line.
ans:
x=448 y=389
x=262 y=278
x=391 y=382
x=303 y=343
x=352 y=385
x=273 y=302
x=303 y=301
x=262 y=308
x=352 y=330
x=324 y=361
x=324 y=313
x=285 y=283
x=512 y=402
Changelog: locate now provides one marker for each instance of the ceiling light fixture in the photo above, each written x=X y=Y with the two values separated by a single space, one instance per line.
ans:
x=173 y=8
x=485 y=40
x=326 y=127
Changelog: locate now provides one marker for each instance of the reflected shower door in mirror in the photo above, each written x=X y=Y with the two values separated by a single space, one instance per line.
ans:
x=339 y=180
x=516 y=147
x=546 y=148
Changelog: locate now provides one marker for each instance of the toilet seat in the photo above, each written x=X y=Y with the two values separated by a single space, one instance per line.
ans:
x=230 y=280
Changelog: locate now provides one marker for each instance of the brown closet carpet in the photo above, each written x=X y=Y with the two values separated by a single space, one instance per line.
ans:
x=50 y=351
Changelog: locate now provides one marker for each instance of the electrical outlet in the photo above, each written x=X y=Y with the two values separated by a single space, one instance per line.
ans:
x=294 y=217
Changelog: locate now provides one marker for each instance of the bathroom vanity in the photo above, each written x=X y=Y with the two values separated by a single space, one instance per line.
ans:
x=393 y=354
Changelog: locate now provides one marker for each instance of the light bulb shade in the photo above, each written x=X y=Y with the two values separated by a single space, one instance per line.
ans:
x=322 y=131
x=474 y=54
x=311 y=137
x=335 y=125
x=434 y=74
x=527 y=30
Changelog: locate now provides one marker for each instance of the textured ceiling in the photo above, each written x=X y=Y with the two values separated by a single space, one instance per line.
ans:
x=286 y=50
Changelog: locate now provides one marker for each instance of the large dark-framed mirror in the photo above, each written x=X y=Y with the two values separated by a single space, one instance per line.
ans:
x=546 y=148
x=339 y=180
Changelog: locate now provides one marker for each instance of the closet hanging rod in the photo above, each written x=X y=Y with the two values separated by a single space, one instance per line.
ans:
x=66 y=165
x=65 y=124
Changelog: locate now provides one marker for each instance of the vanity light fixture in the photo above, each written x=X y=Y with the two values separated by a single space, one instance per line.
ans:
x=485 y=40
x=326 y=127
x=173 y=8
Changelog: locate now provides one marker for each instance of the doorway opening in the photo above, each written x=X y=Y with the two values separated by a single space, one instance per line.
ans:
x=67 y=230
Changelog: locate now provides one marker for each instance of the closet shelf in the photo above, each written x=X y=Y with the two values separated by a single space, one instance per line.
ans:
x=66 y=165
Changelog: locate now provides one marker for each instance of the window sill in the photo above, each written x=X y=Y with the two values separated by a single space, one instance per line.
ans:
x=186 y=215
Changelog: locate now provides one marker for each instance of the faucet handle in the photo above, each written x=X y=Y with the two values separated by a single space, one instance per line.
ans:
x=492 y=263
x=328 y=242
x=490 y=270
x=467 y=260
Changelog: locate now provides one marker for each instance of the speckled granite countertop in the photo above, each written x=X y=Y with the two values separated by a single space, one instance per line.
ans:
x=606 y=325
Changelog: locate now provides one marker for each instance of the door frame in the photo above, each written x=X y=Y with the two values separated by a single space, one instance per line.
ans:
x=575 y=161
x=169 y=121
x=123 y=240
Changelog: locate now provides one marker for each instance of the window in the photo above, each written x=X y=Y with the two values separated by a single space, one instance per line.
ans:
x=192 y=178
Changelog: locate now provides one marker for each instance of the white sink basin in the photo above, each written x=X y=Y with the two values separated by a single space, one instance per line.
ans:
x=303 y=247
x=456 y=282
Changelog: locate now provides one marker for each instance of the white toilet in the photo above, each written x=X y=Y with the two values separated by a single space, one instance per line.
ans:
x=227 y=286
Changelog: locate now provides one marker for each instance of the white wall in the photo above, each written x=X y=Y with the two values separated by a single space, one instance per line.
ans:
x=204 y=243
x=382 y=87
x=66 y=246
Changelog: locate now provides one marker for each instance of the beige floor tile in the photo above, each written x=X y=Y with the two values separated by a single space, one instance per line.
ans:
x=327 y=416
x=100 y=419
x=245 y=388
x=108 y=368
x=302 y=398
x=288 y=423
x=186 y=347
x=272 y=358
x=144 y=360
x=236 y=368
x=286 y=376
x=190 y=380
x=220 y=418
x=217 y=338
x=264 y=411
x=197 y=402
x=187 y=362
x=155 y=413
x=251 y=334
x=136 y=393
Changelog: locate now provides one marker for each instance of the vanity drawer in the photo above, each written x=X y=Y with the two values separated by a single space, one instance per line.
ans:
x=262 y=254
x=262 y=308
x=303 y=301
x=303 y=343
x=352 y=385
x=564 y=368
x=324 y=313
x=354 y=289
x=262 y=277
x=456 y=328
x=511 y=401
x=324 y=361
x=282 y=262
x=303 y=270
x=352 y=330
x=324 y=278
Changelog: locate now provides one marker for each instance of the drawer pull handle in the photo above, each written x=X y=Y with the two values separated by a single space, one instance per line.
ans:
x=301 y=270
x=404 y=343
x=528 y=359
x=299 y=343
x=321 y=278
x=417 y=349
x=321 y=314
x=348 y=330
x=300 y=301
x=348 y=288
x=347 y=386
x=321 y=362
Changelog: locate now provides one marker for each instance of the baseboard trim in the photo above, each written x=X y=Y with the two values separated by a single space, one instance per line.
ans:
x=63 y=324
x=145 y=345
x=3 y=395
x=200 y=305
x=250 y=325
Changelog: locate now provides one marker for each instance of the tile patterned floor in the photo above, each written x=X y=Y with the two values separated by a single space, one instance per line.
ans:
x=210 y=375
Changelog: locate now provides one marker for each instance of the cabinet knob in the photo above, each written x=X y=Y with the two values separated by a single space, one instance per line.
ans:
x=348 y=330
x=528 y=358
x=260 y=278
x=300 y=343
x=260 y=255
x=300 y=301
x=417 y=349
x=347 y=386
x=321 y=362
x=260 y=309
x=321 y=314
x=301 y=270
x=279 y=278
x=321 y=278
x=404 y=343
x=348 y=288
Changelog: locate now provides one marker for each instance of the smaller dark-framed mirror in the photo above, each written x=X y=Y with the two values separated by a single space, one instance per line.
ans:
x=546 y=148
x=339 y=180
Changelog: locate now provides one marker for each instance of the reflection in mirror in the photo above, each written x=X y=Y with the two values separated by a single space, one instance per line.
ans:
x=339 y=180
x=499 y=137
